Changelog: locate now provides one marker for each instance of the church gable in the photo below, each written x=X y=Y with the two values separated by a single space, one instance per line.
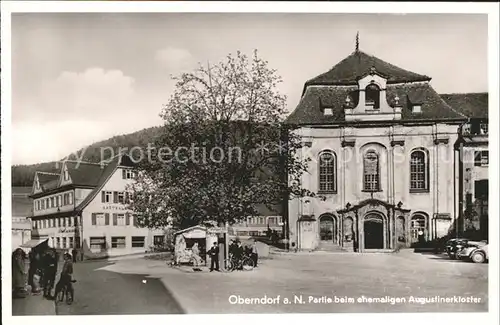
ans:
x=371 y=90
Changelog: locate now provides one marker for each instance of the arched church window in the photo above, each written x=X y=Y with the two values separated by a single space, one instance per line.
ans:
x=419 y=175
x=372 y=95
x=327 y=172
x=371 y=172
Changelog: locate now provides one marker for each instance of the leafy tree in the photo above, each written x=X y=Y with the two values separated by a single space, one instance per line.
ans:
x=223 y=151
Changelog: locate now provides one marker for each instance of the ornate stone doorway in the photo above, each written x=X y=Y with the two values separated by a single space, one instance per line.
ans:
x=327 y=228
x=374 y=231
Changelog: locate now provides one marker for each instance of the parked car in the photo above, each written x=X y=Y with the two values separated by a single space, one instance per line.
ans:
x=455 y=245
x=476 y=252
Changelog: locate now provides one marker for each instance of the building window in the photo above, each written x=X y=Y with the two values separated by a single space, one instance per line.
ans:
x=417 y=109
x=127 y=174
x=98 y=243
x=327 y=172
x=481 y=158
x=371 y=172
x=64 y=242
x=70 y=197
x=70 y=242
x=328 y=111
x=121 y=197
x=418 y=171
x=372 y=96
x=47 y=203
x=137 y=241
x=158 y=240
x=58 y=242
x=98 y=219
x=120 y=219
x=75 y=221
x=66 y=174
x=106 y=196
x=118 y=242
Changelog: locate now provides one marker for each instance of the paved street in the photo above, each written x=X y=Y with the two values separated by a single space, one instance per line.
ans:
x=323 y=276
x=99 y=292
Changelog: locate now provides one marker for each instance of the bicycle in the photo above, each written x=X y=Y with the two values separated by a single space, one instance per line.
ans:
x=67 y=292
x=246 y=264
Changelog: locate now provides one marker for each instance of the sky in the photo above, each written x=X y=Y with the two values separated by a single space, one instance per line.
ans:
x=79 y=78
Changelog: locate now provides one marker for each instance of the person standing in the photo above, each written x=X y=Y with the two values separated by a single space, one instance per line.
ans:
x=74 y=252
x=214 y=257
x=49 y=270
x=18 y=273
x=65 y=278
x=255 y=253
x=238 y=255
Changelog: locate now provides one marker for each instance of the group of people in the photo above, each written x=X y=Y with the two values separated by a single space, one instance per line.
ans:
x=236 y=252
x=41 y=273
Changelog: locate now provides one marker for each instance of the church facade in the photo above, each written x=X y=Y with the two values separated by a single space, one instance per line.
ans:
x=380 y=141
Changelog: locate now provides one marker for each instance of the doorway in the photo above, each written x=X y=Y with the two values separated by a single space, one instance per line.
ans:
x=327 y=229
x=374 y=232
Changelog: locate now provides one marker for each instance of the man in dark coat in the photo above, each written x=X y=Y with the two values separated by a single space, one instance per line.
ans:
x=74 y=253
x=66 y=276
x=49 y=268
x=238 y=254
x=214 y=257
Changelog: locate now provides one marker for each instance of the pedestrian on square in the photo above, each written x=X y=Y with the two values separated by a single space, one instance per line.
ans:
x=18 y=273
x=66 y=275
x=214 y=257
x=74 y=253
x=255 y=253
x=49 y=269
x=238 y=254
x=196 y=255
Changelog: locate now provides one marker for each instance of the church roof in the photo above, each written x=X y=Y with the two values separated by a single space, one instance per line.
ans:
x=330 y=90
x=358 y=64
x=310 y=109
x=474 y=105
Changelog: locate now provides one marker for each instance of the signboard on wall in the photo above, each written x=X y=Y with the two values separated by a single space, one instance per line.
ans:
x=114 y=207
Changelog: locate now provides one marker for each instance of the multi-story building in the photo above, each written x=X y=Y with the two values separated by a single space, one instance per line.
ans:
x=21 y=211
x=381 y=140
x=257 y=226
x=472 y=162
x=84 y=206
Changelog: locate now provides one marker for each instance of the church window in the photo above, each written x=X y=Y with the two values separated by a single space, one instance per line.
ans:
x=418 y=171
x=372 y=95
x=327 y=172
x=371 y=172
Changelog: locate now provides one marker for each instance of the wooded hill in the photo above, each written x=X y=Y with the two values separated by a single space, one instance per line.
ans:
x=23 y=175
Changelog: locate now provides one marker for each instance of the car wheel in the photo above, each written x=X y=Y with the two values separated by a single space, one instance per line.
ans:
x=477 y=257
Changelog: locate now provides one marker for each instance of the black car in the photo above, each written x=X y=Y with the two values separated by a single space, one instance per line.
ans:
x=455 y=245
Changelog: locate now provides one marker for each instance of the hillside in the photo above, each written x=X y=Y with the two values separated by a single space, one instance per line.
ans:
x=22 y=175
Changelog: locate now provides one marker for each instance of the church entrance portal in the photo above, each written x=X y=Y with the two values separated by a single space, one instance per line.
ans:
x=374 y=232
x=327 y=229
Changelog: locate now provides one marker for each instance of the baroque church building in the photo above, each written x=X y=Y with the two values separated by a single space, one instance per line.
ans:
x=383 y=164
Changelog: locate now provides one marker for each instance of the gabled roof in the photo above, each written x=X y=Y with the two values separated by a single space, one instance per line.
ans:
x=107 y=172
x=358 y=64
x=48 y=181
x=470 y=104
x=84 y=173
x=311 y=106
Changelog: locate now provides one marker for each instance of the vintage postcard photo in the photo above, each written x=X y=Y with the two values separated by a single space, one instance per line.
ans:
x=248 y=162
